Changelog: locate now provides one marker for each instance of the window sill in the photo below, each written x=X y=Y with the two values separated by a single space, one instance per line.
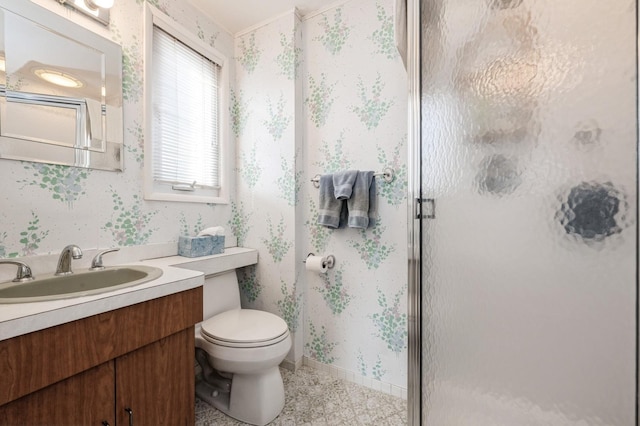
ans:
x=184 y=198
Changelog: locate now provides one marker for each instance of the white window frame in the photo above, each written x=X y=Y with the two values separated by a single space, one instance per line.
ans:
x=161 y=191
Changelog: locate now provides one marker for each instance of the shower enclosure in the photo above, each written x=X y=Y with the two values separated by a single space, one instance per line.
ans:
x=523 y=274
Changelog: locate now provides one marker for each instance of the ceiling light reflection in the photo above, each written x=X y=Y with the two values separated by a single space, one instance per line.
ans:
x=58 y=78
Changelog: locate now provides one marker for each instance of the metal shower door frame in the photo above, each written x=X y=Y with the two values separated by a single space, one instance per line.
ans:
x=414 y=238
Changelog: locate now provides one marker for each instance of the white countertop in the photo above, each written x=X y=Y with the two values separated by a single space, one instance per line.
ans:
x=178 y=274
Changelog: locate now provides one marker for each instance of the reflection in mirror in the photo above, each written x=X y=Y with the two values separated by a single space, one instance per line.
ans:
x=61 y=90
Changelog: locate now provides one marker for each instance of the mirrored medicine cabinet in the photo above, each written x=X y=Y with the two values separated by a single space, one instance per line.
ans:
x=60 y=90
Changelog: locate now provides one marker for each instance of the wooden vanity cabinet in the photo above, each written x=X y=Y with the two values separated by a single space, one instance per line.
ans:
x=157 y=382
x=83 y=399
x=93 y=371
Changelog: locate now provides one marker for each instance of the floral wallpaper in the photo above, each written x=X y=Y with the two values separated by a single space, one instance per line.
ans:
x=265 y=121
x=45 y=207
x=302 y=102
x=354 y=317
x=64 y=184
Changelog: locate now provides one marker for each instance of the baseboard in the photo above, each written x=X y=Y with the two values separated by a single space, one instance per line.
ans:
x=354 y=377
x=290 y=365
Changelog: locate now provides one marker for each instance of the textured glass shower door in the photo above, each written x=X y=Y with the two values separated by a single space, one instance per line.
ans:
x=529 y=148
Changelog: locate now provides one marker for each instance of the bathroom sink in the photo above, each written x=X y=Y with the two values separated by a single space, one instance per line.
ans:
x=82 y=283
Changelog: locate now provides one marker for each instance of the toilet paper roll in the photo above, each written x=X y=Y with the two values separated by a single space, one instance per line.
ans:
x=316 y=264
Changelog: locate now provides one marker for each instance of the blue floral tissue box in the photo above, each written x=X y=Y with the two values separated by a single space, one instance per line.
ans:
x=200 y=246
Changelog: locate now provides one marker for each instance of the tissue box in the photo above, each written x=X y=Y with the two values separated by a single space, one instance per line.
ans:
x=200 y=246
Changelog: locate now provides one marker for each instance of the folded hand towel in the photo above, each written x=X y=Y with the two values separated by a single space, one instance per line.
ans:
x=359 y=203
x=328 y=206
x=343 y=183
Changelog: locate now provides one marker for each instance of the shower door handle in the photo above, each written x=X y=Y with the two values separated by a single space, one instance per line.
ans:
x=425 y=208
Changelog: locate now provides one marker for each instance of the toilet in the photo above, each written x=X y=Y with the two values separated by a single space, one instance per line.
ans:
x=239 y=351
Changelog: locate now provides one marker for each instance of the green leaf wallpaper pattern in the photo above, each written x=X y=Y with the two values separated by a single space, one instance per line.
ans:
x=190 y=231
x=239 y=110
x=31 y=237
x=372 y=108
x=371 y=247
x=3 y=252
x=318 y=235
x=239 y=222
x=290 y=59
x=289 y=182
x=129 y=225
x=3 y=247
x=250 y=55
x=376 y=371
x=132 y=66
x=64 y=183
x=250 y=286
x=211 y=39
x=251 y=169
x=362 y=366
x=137 y=149
x=395 y=192
x=157 y=3
x=14 y=83
x=391 y=323
x=384 y=36
x=277 y=245
x=333 y=159
x=290 y=306
x=334 y=292
x=335 y=34
x=319 y=347
x=320 y=99
x=278 y=121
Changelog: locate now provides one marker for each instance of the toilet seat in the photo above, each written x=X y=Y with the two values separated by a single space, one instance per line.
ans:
x=244 y=328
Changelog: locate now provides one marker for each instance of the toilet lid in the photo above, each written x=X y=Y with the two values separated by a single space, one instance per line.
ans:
x=244 y=326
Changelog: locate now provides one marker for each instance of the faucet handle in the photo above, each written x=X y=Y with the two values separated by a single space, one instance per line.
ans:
x=96 y=263
x=24 y=272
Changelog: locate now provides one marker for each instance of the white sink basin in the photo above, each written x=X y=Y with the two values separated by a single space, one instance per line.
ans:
x=83 y=283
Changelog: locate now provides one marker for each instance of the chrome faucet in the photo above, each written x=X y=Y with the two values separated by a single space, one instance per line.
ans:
x=24 y=272
x=96 y=263
x=64 y=262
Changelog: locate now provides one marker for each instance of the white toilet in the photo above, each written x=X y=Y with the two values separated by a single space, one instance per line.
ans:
x=239 y=351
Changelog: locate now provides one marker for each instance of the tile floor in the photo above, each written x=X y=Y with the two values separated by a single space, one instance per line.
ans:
x=314 y=397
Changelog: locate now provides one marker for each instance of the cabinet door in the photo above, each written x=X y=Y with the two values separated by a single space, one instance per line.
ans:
x=156 y=382
x=83 y=399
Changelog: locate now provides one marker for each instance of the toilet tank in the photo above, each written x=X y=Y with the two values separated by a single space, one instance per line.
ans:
x=220 y=293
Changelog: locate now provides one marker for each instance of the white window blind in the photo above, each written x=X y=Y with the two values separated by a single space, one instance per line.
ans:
x=185 y=114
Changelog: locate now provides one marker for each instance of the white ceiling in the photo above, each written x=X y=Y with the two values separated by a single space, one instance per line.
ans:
x=237 y=15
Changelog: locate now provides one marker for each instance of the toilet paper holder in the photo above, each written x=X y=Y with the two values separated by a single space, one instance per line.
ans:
x=329 y=262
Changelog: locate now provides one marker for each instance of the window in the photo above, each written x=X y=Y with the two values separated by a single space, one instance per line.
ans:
x=184 y=81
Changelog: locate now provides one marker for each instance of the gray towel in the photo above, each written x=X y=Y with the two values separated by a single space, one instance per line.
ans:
x=328 y=207
x=373 y=204
x=359 y=204
x=343 y=183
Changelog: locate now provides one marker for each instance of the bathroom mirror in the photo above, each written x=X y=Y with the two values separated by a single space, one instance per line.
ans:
x=60 y=90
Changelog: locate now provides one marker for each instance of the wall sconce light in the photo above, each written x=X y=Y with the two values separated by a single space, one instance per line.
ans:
x=96 y=9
